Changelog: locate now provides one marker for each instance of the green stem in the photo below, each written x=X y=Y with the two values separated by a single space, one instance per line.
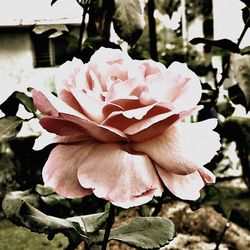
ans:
x=82 y=28
x=158 y=206
x=109 y=224
x=243 y=33
x=226 y=69
x=222 y=235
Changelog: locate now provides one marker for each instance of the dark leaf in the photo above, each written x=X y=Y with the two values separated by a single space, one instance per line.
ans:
x=241 y=70
x=129 y=20
x=225 y=108
x=9 y=127
x=223 y=44
x=236 y=95
x=245 y=51
x=246 y=2
x=52 y=2
x=246 y=16
x=26 y=101
x=92 y=44
x=9 y=105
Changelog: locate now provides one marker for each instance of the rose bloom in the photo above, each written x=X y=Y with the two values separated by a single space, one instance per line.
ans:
x=119 y=129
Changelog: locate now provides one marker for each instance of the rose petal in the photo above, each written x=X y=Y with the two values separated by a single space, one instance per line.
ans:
x=66 y=75
x=155 y=125
x=151 y=127
x=186 y=187
x=92 y=107
x=43 y=104
x=121 y=89
x=177 y=85
x=60 y=170
x=50 y=105
x=61 y=126
x=124 y=119
x=184 y=147
x=109 y=56
x=131 y=102
x=110 y=108
x=99 y=132
x=67 y=97
x=151 y=67
x=123 y=178
x=46 y=139
x=190 y=94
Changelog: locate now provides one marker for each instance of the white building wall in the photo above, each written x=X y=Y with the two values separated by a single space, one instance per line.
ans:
x=228 y=22
x=16 y=58
x=17 y=70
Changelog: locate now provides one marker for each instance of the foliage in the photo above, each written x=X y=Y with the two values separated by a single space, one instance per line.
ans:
x=142 y=232
x=129 y=20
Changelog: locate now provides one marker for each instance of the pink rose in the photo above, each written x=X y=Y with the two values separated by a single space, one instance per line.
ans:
x=118 y=125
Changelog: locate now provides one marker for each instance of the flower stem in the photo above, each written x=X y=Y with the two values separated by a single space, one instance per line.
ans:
x=222 y=235
x=109 y=224
x=158 y=207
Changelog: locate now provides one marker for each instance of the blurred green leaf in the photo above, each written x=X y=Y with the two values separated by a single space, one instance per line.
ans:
x=9 y=127
x=222 y=43
x=245 y=50
x=43 y=191
x=225 y=207
x=129 y=20
x=26 y=101
x=225 y=108
x=55 y=200
x=241 y=70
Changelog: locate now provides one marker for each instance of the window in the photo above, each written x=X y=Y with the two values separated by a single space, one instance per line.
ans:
x=53 y=51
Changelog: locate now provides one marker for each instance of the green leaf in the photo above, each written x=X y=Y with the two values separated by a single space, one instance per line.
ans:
x=43 y=191
x=129 y=20
x=55 y=200
x=142 y=233
x=222 y=43
x=9 y=127
x=92 y=222
x=20 y=212
x=26 y=101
